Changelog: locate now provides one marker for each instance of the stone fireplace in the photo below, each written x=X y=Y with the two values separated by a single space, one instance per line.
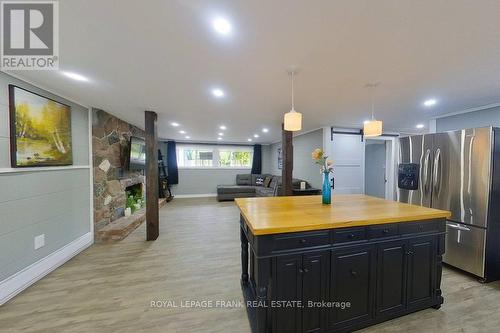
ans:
x=110 y=144
x=135 y=191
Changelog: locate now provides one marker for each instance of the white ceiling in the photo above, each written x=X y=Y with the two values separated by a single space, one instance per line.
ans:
x=164 y=56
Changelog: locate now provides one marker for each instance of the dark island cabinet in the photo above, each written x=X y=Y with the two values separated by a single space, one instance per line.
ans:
x=391 y=278
x=343 y=279
x=421 y=270
x=352 y=281
x=300 y=280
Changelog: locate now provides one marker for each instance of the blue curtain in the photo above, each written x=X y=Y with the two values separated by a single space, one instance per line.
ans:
x=173 y=171
x=257 y=159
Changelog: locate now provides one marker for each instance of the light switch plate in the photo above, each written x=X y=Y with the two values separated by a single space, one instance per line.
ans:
x=39 y=241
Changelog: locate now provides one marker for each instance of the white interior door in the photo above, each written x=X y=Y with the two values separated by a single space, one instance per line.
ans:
x=347 y=152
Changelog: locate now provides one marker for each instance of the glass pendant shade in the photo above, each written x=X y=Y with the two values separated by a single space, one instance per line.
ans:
x=372 y=128
x=293 y=121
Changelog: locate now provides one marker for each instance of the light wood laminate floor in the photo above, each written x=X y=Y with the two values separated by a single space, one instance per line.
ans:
x=109 y=288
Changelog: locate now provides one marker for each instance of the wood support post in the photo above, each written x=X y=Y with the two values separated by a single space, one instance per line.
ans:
x=287 y=169
x=152 y=213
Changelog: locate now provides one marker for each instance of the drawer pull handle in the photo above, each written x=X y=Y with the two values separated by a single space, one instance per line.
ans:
x=303 y=241
x=385 y=231
x=409 y=253
x=354 y=273
x=351 y=236
x=303 y=270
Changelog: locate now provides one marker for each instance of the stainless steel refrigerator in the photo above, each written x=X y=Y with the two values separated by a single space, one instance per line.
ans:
x=458 y=171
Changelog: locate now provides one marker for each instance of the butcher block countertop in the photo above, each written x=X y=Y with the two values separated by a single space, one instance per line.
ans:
x=274 y=215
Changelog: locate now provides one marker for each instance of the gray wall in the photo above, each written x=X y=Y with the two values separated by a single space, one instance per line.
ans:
x=482 y=118
x=203 y=181
x=55 y=203
x=303 y=165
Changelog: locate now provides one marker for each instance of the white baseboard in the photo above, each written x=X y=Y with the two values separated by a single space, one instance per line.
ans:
x=16 y=283
x=206 y=195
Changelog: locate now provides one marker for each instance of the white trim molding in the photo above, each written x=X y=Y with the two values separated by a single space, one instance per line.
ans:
x=205 y=195
x=18 y=282
x=55 y=168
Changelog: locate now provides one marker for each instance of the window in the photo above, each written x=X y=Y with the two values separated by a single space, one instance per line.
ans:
x=207 y=156
x=191 y=157
x=235 y=158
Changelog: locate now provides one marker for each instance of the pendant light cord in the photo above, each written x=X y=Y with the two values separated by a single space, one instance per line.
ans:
x=293 y=104
x=373 y=105
x=372 y=86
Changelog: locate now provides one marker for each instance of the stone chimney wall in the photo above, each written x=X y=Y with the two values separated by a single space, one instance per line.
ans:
x=110 y=145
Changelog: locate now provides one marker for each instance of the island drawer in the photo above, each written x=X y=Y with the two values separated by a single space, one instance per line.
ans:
x=416 y=227
x=300 y=240
x=385 y=230
x=349 y=235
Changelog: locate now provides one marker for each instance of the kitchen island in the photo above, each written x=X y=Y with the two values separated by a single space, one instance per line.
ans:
x=308 y=267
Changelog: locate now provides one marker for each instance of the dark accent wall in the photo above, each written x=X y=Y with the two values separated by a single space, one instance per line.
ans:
x=110 y=145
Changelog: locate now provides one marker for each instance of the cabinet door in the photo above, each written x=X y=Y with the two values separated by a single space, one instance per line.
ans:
x=316 y=272
x=391 y=277
x=288 y=287
x=421 y=270
x=353 y=281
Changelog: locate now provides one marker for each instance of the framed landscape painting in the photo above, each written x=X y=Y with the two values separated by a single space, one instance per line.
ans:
x=40 y=130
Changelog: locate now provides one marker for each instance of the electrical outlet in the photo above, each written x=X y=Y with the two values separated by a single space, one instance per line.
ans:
x=39 y=241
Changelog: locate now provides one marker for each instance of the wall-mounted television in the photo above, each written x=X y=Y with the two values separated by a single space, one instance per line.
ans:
x=137 y=156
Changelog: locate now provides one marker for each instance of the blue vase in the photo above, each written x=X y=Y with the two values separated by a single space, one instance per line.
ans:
x=327 y=189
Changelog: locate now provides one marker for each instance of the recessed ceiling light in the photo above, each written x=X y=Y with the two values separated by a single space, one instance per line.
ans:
x=255 y=135
x=219 y=138
x=75 y=76
x=265 y=130
x=218 y=92
x=249 y=140
x=182 y=132
x=222 y=26
x=430 y=102
x=174 y=124
x=222 y=127
x=420 y=126
x=220 y=134
x=187 y=137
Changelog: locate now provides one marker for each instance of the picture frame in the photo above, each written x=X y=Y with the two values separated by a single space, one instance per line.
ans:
x=40 y=130
x=280 y=159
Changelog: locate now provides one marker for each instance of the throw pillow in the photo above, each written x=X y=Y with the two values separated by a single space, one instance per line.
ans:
x=267 y=181
x=259 y=181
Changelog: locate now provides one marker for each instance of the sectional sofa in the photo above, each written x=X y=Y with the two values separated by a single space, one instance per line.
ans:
x=254 y=185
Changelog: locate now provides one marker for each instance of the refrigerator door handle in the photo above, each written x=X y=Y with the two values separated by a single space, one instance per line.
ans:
x=426 y=170
x=457 y=226
x=437 y=171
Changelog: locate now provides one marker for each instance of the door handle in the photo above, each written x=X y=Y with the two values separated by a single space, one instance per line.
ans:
x=437 y=171
x=425 y=177
x=457 y=227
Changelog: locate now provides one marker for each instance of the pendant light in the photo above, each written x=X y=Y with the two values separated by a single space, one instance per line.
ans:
x=372 y=127
x=293 y=119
